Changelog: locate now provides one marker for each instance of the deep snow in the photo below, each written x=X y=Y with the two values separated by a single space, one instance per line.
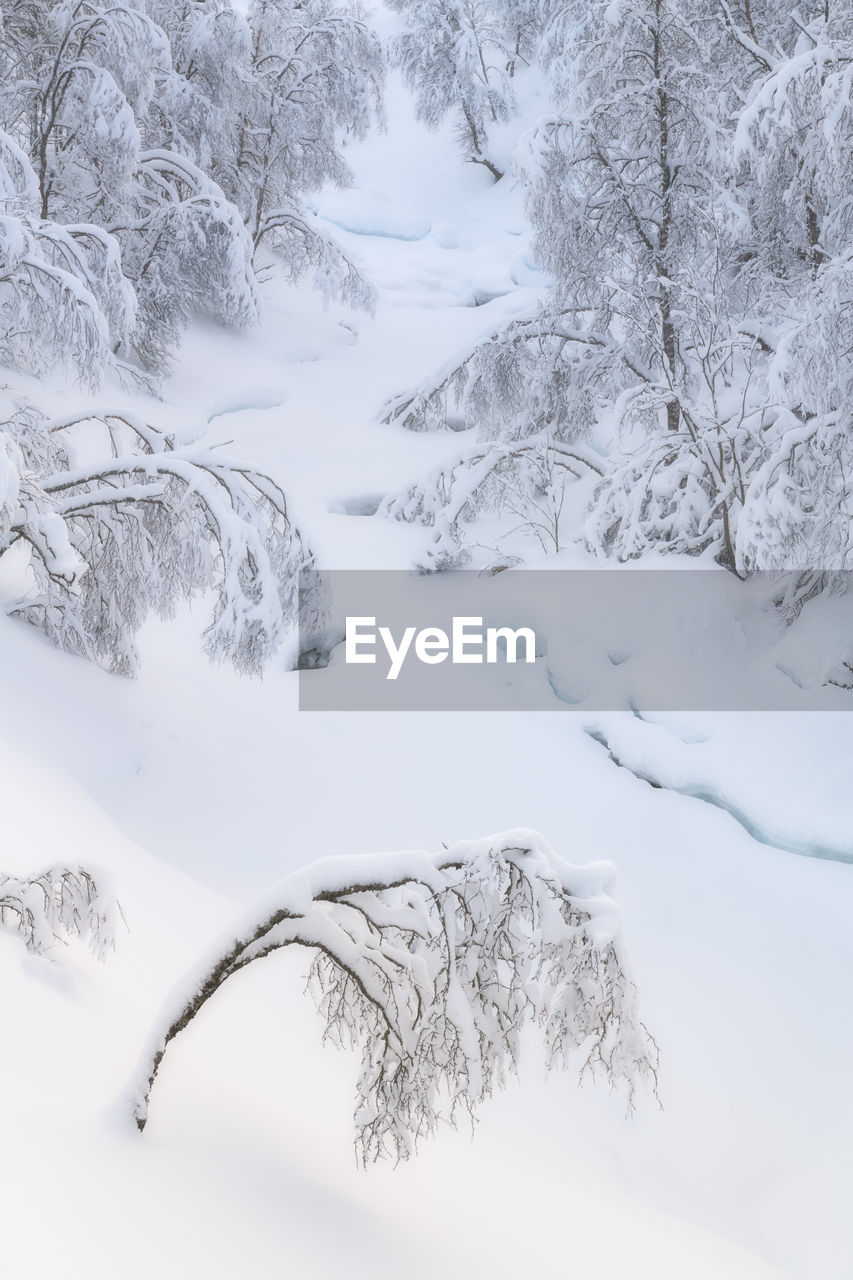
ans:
x=196 y=789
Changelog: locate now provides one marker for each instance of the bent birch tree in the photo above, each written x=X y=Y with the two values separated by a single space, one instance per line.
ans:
x=431 y=965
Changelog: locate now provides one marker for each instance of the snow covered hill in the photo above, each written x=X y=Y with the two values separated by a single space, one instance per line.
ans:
x=248 y=1153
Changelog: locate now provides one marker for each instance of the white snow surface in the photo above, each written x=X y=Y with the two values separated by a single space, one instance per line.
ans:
x=197 y=789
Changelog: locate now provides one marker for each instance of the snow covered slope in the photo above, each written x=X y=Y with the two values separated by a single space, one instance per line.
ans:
x=196 y=789
x=247 y=1156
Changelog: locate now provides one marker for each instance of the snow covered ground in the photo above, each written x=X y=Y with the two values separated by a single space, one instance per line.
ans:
x=196 y=789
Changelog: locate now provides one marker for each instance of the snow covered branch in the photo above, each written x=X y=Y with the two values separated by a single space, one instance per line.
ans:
x=493 y=472
x=143 y=526
x=61 y=902
x=431 y=965
x=306 y=249
x=64 y=301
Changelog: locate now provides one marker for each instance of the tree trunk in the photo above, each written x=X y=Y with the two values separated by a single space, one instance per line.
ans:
x=668 y=343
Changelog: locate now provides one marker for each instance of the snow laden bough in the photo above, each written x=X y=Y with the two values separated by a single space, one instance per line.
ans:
x=431 y=965
x=57 y=904
x=140 y=527
x=527 y=478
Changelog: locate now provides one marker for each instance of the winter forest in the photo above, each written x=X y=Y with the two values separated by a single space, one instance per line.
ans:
x=434 y=286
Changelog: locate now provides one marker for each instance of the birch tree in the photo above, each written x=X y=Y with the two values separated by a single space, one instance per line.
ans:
x=431 y=965
x=794 y=143
x=287 y=85
x=457 y=56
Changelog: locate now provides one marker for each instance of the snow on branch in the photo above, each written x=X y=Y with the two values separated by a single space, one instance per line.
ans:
x=57 y=904
x=19 y=192
x=145 y=151
x=143 y=526
x=184 y=229
x=428 y=406
x=305 y=249
x=63 y=299
x=493 y=472
x=535 y=373
x=431 y=965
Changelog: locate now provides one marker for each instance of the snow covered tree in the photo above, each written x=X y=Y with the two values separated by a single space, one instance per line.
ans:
x=200 y=99
x=457 y=57
x=76 y=74
x=187 y=253
x=189 y=143
x=599 y=180
x=691 y=205
x=284 y=85
x=80 y=81
x=794 y=134
x=142 y=526
x=64 y=300
x=630 y=222
x=431 y=965
x=59 y=903
x=522 y=23
x=316 y=71
x=794 y=141
x=141 y=523
x=766 y=369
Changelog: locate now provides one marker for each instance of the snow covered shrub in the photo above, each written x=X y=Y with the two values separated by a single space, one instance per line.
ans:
x=431 y=965
x=142 y=526
x=59 y=903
